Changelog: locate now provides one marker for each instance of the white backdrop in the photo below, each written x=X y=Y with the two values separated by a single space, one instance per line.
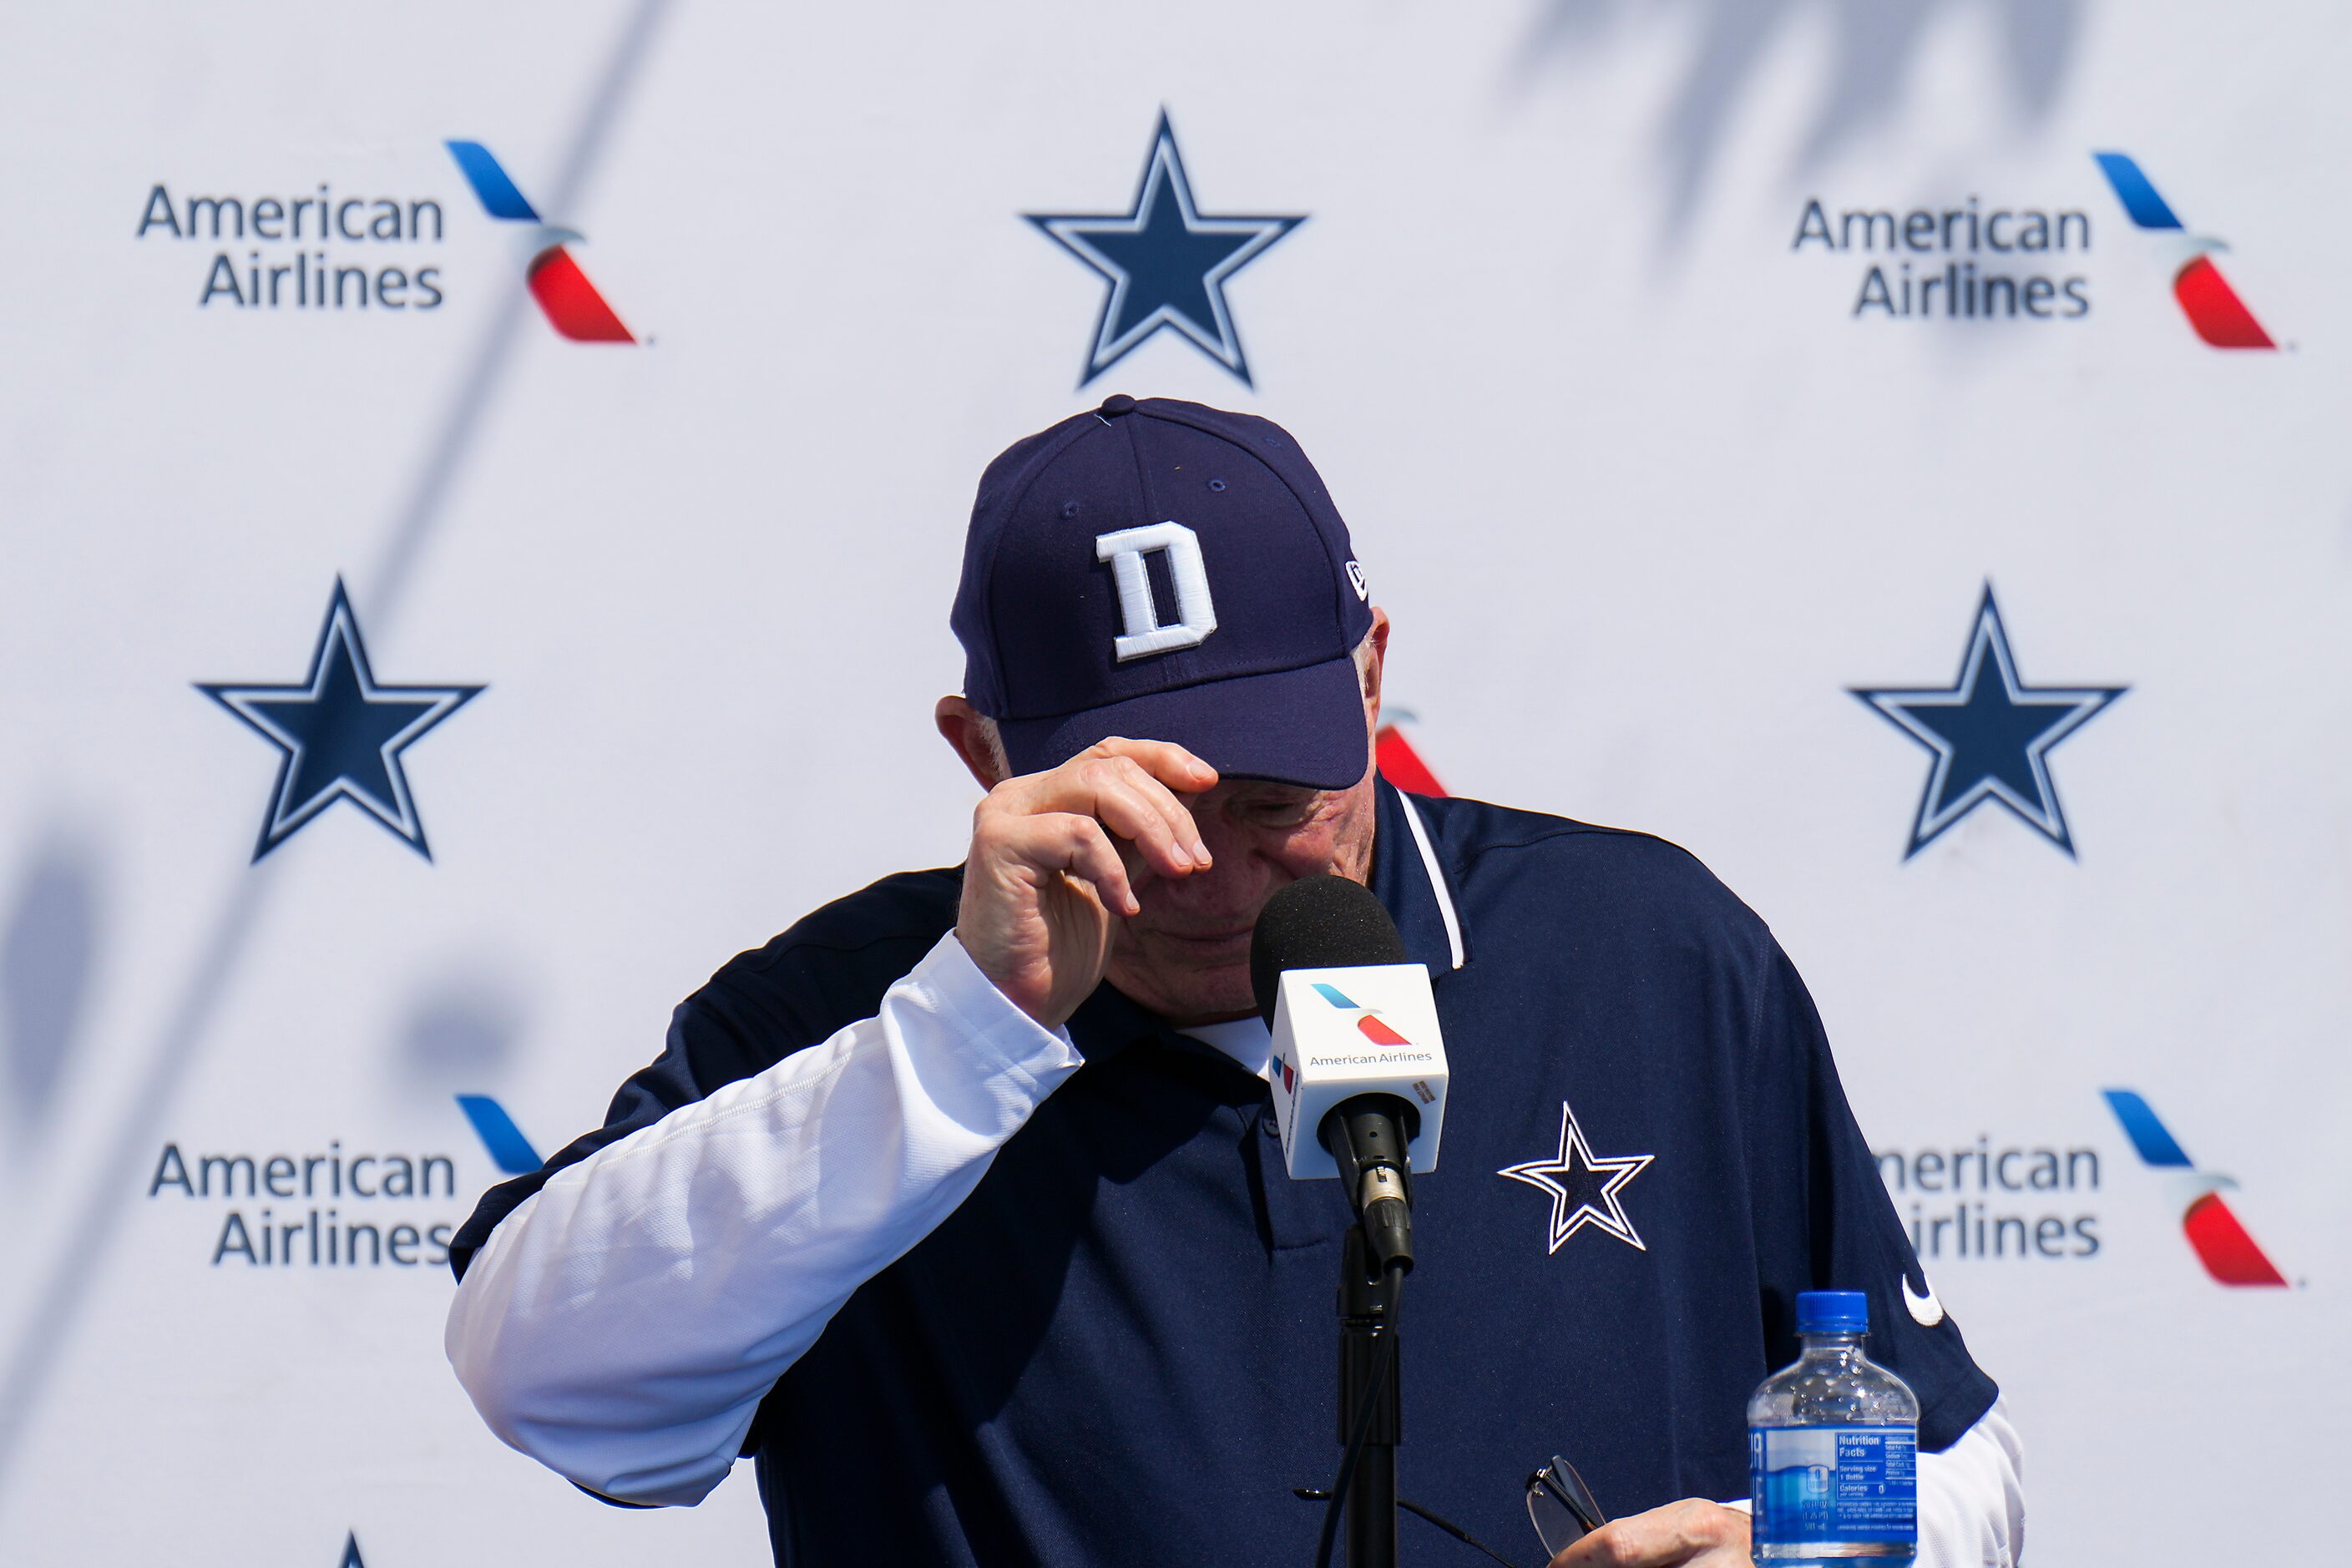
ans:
x=1644 y=494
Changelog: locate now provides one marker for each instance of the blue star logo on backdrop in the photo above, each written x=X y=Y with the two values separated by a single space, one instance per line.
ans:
x=1166 y=265
x=1583 y=1187
x=339 y=734
x=1992 y=734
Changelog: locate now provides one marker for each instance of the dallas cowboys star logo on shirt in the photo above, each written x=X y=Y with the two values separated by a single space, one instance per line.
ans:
x=1583 y=1186
x=1166 y=264
x=339 y=734
x=1992 y=734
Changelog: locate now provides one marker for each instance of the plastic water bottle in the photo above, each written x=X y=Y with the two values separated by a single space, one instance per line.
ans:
x=1833 y=1448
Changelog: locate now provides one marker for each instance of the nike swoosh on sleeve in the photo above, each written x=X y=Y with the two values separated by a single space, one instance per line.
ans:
x=1926 y=1310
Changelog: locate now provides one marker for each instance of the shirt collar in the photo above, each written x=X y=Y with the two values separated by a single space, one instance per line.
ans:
x=1247 y=1041
x=1411 y=883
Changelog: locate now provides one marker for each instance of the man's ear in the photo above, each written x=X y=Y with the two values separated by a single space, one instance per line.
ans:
x=1374 y=667
x=966 y=730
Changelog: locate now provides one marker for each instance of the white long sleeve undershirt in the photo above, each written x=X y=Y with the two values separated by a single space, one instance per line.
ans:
x=622 y=1325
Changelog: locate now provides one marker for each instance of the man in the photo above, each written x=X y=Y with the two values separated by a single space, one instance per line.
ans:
x=958 y=1203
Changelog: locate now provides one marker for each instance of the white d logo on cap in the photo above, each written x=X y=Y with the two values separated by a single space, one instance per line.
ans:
x=1196 y=614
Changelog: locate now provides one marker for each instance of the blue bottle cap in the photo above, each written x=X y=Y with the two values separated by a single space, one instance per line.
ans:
x=1833 y=1312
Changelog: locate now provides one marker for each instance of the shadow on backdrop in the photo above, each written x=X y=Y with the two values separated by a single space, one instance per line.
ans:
x=1876 y=44
x=460 y=1031
x=48 y=950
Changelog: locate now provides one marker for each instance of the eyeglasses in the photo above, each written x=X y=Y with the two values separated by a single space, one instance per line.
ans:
x=1561 y=1506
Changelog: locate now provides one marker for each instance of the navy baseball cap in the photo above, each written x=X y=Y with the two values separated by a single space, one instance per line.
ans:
x=1166 y=572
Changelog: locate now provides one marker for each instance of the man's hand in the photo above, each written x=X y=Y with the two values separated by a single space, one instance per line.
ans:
x=1045 y=879
x=1691 y=1533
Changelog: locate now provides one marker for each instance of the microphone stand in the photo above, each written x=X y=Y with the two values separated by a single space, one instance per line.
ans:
x=1365 y=1337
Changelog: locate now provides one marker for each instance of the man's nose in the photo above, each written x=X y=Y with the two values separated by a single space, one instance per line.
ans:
x=1230 y=879
x=1236 y=877
x=1225 y=842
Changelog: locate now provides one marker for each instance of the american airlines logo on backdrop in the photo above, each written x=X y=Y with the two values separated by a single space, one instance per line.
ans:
x=335 y=1205
x=1995 y=1198
x=2214 y=311
x=571 y=303
x=2223 y=1244
x=324 y=250
x=1400 y=758
x=509 y=1149
x=1966 y=259
x=1975 y=259
x=328 y=249
x=328 y=1207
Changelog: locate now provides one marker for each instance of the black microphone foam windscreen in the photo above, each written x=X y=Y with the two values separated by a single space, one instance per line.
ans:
x=1319 y=922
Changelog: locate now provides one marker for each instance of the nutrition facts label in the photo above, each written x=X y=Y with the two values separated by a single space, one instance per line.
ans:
x=1857 y=1484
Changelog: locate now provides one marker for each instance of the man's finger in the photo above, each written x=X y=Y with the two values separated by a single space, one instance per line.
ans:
x=1681 y=1532
x=1166 y=760
x=1094 y=782
x=1173 y=811
x=1068 y=842
x=1126 y=810
x=1179 y=815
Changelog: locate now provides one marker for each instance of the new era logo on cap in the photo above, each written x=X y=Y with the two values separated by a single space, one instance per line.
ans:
x=1166 y=570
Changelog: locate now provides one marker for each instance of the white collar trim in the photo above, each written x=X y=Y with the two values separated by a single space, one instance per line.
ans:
x=1436 y=878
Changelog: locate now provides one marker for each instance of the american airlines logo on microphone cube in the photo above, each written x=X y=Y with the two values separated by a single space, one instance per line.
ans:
x=1344 y=1032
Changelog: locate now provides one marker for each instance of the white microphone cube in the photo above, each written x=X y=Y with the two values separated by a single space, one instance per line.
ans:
x=1339 y=1033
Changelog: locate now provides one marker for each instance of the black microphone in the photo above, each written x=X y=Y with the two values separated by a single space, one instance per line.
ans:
x=1329 y=924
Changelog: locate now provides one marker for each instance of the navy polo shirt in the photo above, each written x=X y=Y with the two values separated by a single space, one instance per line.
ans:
x=1122 y=1347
